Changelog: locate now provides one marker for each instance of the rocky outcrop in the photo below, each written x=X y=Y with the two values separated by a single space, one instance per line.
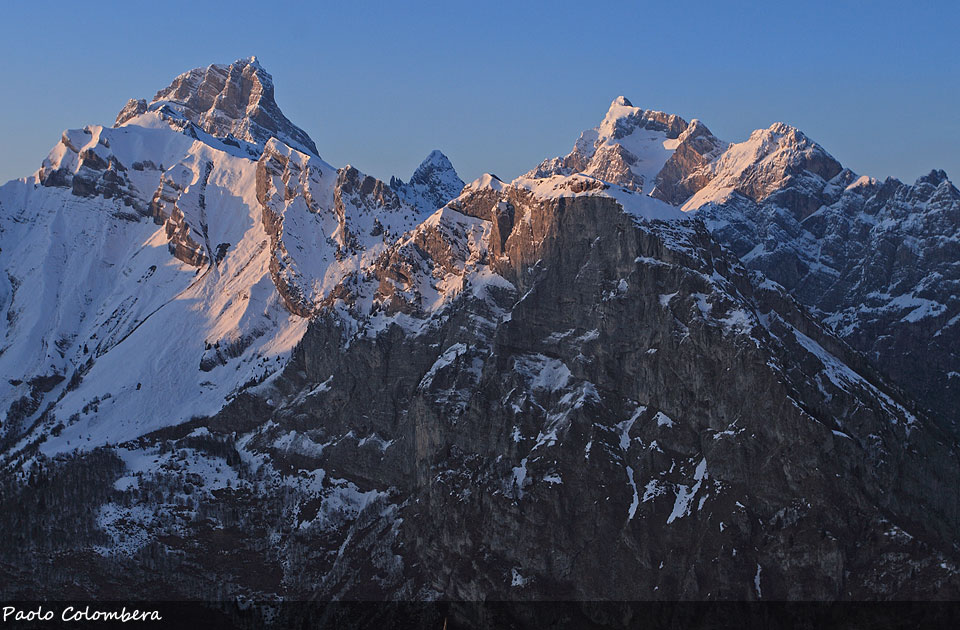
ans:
x=584 y=424
x=83 y=163
x=235 y=100
x=875 y=261
x=285 y=180
x=433 y=184
x=687 y=170
x=133 y=108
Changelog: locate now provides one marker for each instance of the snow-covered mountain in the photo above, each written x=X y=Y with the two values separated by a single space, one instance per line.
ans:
x=629 y=148
x=434 y=183
x=235 y=103
x=156 y=266
x=574 y=385
x=875 y=261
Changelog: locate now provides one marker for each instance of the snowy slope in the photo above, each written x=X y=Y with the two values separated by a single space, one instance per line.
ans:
x=154 y=270
x=97 y=290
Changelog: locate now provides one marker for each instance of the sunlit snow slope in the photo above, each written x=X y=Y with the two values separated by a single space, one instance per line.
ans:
x=153 y=271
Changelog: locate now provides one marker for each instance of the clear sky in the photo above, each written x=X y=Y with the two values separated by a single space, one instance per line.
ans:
x=500 y=86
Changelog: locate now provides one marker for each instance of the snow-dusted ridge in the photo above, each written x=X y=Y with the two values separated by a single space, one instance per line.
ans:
x=156 y=269
x=186 y=249
x=314 y=376
x=233 y=101
x=787 y=208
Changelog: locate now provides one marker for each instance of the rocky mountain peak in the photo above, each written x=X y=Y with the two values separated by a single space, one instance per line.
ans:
x=622 y=119
x=434 y=165
x=935 y=177
x=227 y=100
x=628 y=148
x=933 y=190
x=770 y=161
x=432 y=185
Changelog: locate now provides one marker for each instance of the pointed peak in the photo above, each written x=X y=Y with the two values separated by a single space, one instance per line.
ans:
x=436 y=159
x=935 y=177
x=433 y=184
x=623 y=118
x=434 y=168
x=227 y=99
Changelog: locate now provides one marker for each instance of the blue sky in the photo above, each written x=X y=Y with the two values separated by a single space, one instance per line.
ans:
x=500 y=86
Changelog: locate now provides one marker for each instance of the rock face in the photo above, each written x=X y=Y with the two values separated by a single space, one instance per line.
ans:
x=688 y=169
x=227 y=101
x=874 y=261
x=434 y=183
x=299 y=382
x=84 y=164
x=877 y=261
x=584 y=407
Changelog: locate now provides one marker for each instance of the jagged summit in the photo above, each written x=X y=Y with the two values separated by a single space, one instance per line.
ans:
x=935 y=177
x=436 y=158
x=433 y=184
x=763 y=164
x=226 y=100
x=628 y=148
x=313 y=376
x=622 y=119
x=436 y=162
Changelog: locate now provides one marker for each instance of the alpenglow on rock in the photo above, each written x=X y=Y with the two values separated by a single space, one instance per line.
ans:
x=227 y=101
x=628 y=148
x=560 y=387
x=157 y=226
x=876 y=261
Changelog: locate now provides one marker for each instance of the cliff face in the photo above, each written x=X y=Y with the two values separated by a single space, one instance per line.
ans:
x=633 y=391
x=233 y=101
x=608 y=408
x=231 y=369
x=874 y=261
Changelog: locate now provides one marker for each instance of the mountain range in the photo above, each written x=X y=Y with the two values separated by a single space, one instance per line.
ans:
x=663 y=366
